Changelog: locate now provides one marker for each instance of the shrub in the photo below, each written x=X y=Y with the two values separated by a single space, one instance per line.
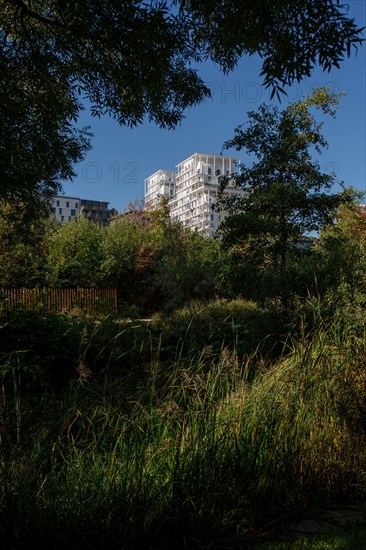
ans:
x=238 y=325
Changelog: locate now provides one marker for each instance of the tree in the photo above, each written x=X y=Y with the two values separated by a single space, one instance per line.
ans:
x=286 y=196
x=75 y=253
x=130 y=248
x=290 y=36
x=188 y=266
x=38 y=143
x=340 y=258
x=23 y=253
x=127 y=58
x=133 y=60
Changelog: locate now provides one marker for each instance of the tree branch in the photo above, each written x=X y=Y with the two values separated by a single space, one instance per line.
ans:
x=26 y=11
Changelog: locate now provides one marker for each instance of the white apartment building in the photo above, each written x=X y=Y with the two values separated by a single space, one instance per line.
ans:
x=161 y=185
x=192 y=190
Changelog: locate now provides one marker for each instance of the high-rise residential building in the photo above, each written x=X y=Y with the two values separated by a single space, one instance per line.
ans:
x=68 y=208
x=191 y=191
x=161 y=185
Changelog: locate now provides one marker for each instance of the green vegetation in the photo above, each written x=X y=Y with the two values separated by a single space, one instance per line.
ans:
x=133 y=60
x=242 y=398
x=198 y=427
x=192 y=450
x=340 y=539
x=286 y=195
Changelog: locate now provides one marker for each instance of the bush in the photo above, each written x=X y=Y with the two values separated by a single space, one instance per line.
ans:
x=48 y=351
x=239 y=325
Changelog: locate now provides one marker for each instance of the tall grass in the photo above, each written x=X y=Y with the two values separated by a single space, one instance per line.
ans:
x=305 y=422
x=190 y=455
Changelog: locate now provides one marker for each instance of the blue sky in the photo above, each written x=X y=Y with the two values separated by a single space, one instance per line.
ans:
x=121 y=158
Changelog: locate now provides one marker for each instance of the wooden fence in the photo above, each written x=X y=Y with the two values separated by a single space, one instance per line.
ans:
x=58 y=300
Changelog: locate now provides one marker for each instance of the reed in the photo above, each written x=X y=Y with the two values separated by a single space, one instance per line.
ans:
x=193 y=454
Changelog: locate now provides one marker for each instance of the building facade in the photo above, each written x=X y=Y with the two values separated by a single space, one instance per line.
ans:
x=159 y=186
x=68 y=208
x=97 y=210
x=191 y=191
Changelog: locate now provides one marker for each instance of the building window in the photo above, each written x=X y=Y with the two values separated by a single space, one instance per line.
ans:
x=62 y=218
x=73 y=212
x=209 y=170
x=60 y=210
x=76 y=205
x=208 y=178
x=57 y=203
x=70 y=218
x=67 y=204
x=217 y=172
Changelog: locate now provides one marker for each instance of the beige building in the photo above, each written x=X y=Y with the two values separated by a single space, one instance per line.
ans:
x=68 y=208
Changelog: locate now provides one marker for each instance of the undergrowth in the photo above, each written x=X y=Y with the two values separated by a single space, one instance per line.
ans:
x=191 y=453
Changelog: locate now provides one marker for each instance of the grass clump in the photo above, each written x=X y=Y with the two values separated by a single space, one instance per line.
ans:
x=124 y=465
x=239 y=325
x=352 y=538
x=304 y=423
x=193 y=453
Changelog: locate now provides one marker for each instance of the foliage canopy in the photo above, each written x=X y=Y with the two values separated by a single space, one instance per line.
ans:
x=286 y=195
x=133 y=60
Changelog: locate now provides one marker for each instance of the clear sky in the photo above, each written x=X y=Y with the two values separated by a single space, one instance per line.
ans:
x=121 y=158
